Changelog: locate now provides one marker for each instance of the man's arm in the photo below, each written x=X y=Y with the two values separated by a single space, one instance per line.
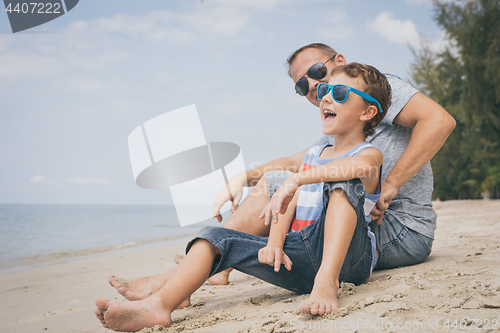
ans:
x=251 y=177
x=431 y=127
x=291 y=163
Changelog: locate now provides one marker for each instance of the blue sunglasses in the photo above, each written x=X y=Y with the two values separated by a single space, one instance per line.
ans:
x=340 y=93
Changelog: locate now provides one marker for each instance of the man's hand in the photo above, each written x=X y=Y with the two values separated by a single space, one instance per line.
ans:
x=388 y=193
x=274 y=256
x=280 y=200
x=235 y=194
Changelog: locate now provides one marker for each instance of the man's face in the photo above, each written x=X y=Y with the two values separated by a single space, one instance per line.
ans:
x=301 y=65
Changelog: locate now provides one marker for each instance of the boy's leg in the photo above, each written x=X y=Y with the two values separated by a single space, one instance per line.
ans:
x=191 y=273
x=339 y=243
x=339 y=227
x=214 y=250
x=246 y=218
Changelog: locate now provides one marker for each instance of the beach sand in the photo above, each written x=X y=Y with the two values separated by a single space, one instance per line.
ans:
x=457 y=288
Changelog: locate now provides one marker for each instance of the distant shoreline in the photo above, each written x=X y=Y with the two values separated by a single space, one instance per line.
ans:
x=27 y=264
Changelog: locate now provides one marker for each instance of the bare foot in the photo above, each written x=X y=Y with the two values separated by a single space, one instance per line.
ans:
x=221 y=278
x=323 y=298
x=132 y=316
x=139 y=289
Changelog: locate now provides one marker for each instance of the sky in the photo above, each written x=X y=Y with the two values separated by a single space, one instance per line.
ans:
x=73 y=89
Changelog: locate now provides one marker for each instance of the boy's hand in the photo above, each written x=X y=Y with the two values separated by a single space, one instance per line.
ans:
x=280 y=200
x=266 y=214
x=274 y=256
x=236 y=185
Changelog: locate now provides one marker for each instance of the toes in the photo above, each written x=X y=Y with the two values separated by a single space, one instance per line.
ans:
x=102 y=304
x=314 y=309
x=304 y=307
x=98 y=313
x=113 y=281
x=328 y=308
x=321 y=309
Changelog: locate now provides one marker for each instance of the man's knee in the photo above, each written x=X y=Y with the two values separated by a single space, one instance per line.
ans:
x=246 y=217
x=261 y=188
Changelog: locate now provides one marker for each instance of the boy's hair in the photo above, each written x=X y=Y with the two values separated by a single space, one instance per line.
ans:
x=319 y=46
x=374 y=84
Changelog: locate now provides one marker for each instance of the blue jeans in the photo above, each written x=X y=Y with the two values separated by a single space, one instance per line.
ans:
x=397 y=245
x=304 y=248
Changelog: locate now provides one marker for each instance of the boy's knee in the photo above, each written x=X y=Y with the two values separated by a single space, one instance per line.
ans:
x=338 y=194
x=351 y=190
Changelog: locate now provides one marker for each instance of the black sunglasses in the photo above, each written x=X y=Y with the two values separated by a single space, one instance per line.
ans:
x=316 y=72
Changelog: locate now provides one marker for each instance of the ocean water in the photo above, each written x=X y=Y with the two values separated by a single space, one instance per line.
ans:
x=31 y=234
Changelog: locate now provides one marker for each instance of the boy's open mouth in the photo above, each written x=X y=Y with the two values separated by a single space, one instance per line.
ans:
x=329 y=113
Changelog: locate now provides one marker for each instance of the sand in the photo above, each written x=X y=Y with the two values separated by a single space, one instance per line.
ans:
x=457 y=288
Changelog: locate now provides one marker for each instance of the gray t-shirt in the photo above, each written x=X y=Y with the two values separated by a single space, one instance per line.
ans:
x=412 y=205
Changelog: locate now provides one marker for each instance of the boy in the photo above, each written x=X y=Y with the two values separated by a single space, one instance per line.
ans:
x=333 y=248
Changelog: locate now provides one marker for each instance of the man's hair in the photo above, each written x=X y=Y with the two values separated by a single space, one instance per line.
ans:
x=374 y=84
x=319 y=46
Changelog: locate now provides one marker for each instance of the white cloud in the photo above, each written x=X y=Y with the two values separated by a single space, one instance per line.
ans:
x=94 y=45
x=27 y=66
x=81 y=180
x=335 y=25
x=41 y=180
x=394 y=30
x=37 y=179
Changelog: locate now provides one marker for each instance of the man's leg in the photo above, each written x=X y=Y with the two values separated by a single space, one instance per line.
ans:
x=246 y=217
x=397 y=245
x=137 y=289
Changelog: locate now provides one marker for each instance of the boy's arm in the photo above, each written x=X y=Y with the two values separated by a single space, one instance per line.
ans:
x=251 y=177
x=364 y=166
x=273 y=253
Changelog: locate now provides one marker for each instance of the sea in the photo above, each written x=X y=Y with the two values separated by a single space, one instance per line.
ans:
x=36 y=235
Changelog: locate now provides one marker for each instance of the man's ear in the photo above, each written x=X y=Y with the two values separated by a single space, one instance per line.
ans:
x=369 y=113
x=340 y=60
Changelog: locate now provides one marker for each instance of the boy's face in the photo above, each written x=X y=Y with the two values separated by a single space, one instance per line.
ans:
x=301 y=65
x=341 y=118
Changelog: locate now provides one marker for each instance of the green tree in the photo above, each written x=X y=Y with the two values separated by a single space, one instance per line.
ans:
x=465 y=80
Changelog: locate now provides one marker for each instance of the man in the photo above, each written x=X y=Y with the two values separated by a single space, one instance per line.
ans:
x=413 y=130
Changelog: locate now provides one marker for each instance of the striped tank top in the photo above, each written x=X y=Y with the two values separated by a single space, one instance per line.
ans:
x=310 y=200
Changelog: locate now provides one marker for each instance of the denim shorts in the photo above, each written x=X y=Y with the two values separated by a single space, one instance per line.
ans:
x=397 y=245
x=304 y=248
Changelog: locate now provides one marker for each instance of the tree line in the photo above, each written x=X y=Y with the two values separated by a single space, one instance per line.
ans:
x=465 y=79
